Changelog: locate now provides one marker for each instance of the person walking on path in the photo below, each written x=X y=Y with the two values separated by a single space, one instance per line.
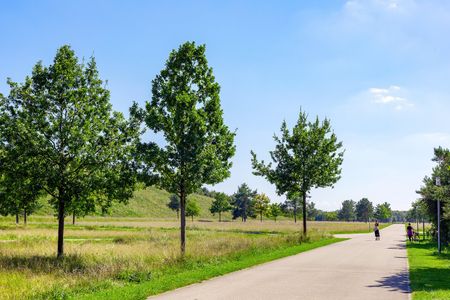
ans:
x=410 y=232
x=376 y=230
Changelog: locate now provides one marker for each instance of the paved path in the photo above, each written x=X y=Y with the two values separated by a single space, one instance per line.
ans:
x=359 y=268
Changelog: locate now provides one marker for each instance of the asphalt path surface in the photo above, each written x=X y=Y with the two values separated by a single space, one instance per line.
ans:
x=359 y=268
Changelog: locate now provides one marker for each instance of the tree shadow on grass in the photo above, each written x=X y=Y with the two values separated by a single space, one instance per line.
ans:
x=43 y=264
x=430 y=278
x=395 y=283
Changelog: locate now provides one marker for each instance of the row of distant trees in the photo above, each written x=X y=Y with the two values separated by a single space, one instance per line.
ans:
x=245 y=203
x=364 y=211
x=248 y=203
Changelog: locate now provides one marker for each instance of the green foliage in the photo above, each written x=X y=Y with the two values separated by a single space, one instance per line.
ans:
x=291 y=205
x=220 y=204
x=20 y=183
x=192 y=209
x=261 y=204
x=347 y=212
x=274 y=211
x=430 y=193
x=331 y=216
x=174 y=204
x=308 y=157
x=312 y=211
x=418 y=211
x=242 y=202
x=364 y=210
x=383 y=212
x=62 y=122
x=185 y=108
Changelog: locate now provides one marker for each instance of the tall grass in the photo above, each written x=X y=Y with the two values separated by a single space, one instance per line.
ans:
x=104 y=257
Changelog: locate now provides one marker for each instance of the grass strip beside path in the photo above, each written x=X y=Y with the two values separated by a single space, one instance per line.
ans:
x=429 y=272
x=182 y=275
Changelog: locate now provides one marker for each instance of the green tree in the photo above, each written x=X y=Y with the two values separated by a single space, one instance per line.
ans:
x=347 y=212
x=185 y=108
x=383 y=212
x=20 y=184
x=430 y=193
x=418 y=213
x=312 y=211
x=274 y=211
x=261 y=204
x=290 y=206
x=364 y=210
x=242 y=202
x=306 y=158
x=174 y=204
x=220 y=204
x=331 y=216
x=61 y=117
x=192 y=209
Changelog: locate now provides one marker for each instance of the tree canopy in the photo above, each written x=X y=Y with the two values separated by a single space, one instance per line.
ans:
x=220 y=204
x=307 y=157
x=192 y=209
x=347 y=212
x=430 y=193
x=383 y=212
x=364 y=210
x=242 y=202
x=61 y=122
x=261 y=204
x=185 y=108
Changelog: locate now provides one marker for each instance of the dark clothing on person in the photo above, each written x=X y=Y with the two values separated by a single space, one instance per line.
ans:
x=410 y=232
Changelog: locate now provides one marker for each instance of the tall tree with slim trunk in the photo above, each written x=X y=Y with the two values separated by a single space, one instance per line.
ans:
x=185 y=108
x=63 y=119
x=308 y=157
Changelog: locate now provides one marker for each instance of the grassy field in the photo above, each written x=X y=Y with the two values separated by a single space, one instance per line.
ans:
x=107 y=257
x=150 y=203
x=429 y=272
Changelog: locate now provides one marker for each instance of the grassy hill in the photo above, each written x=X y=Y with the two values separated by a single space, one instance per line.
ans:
x=150 y=203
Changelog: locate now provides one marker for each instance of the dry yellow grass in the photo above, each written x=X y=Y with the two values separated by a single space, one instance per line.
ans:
x=102 y=252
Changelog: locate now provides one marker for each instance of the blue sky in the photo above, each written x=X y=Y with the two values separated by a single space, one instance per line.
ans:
x=379 y=69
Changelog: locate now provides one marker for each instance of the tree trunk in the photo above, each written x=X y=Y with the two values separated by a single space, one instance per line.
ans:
x=304 y=213
x=183 y=221
x=423 y=229
x=295 y=213
x=61 y=213
x=220 y=218
x=24 y=217
x=178 y=214
x=17 y=219
x=73 y=218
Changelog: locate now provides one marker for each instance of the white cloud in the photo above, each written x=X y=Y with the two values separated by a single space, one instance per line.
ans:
x=389 y=96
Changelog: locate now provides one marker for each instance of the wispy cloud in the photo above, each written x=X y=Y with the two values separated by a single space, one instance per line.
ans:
x=390 y=96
